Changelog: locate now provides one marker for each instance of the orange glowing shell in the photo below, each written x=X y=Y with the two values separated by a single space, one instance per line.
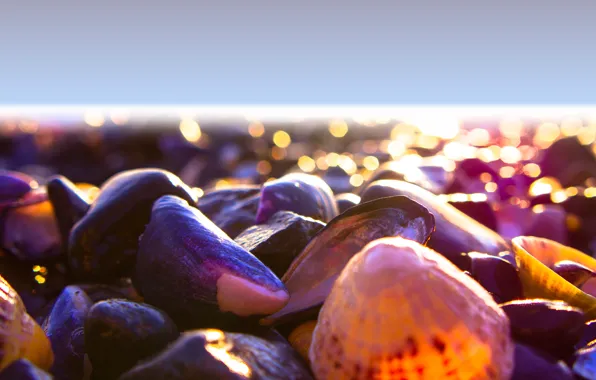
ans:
x=20 y=336
x=400 y=310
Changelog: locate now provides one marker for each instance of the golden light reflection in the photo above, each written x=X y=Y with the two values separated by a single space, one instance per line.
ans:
x=507 y=171
x=338 y=128
x=198 y=191
x=571 y=191
x=278 y=153
x=538 y=209
x=256 y=129
x=29 y=127
x=191 y=130
x=590 y=192
x=396 y=149
x=36 y=268
x=222 y=184
x=573 y=222
x=587 y=136
x=306 y=164
x=347 y=164
x=486 y=177
x=370 y=163
x=94 y=119
x=282 y=139
x=532 y=170
x=40 y=279
x=544 y=185
x=510 y=155
x=427 y=142
x=220 y=350
x=570 y=126
x=356 y=180
x=490 y=187
x=119 y=117
x=402 y=129
x=511 y=127
x=546 y=134
x=441 y=126
x=558 y=196
x=478 y=137
x=332 y=159
x=322 y=163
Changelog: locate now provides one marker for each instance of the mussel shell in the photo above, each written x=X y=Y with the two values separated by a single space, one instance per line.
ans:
x=497 y=276
x=191 y=269
x=214 y=354
x=588 y=335
x=64 y=328
x=122 y=289
x=29 y=230
x=105 y=241
x=119 y=333
x=535 y=258
x=280 y=240
x=14 y=185
x=551 y=326
x=346 y=200
x=584 y=365
x=532 y=364
x=573 y=272
x=304 y=194
x=69 y=203
x=215 y=201
x=23 y=369
x=480 y=211
x=455 y=233
x=311 y=275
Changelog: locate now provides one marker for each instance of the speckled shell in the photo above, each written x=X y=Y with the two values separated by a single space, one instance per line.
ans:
x=20 y=335
x=402 y=311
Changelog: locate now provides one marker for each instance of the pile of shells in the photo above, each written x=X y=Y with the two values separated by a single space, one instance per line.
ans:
x=148 y=277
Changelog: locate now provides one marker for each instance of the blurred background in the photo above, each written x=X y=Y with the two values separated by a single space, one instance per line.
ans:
x=517 y=175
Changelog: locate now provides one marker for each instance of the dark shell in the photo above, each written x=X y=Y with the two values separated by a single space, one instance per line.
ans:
x=279 y=241
x=104 y=242
x=312 y=274
x=234 y=222
x=195 y=272
x=550 y=223
x=497 y=276
x=28 y=228
x=213 y=354
x=579 y=163
x=14 y=185
x=532 y=364
x=70 y=204
x=121 y=289
x=573 y=272
x=304 y=194
x=23 y=369
x=346 y=200
x=551 y=326
x=588 y=336
x=480 y=211
x=584 y=365
x=214 y=201
x=64 y=328
x=120 y=333
x=455 y=232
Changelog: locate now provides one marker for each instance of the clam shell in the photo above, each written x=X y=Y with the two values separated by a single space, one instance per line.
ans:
x=311 y=275
x=346 y=200
x=20 y=335
x=456 y=232
x=535 y=258
x=402 y=311
x=69 y=202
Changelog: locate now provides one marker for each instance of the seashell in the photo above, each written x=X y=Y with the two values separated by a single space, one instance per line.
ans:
x=402 y=311
x=21 y=336
x=119 y=333
x=14 y=185
x=346 y=200
x=455 y=233
x=478 y=209
x=535 y=256
x=103 y=244
x=280 y=240
x=23 y=369
x=122 y=289
x=573 y=272
x=29 y=229
x=195 y=272
x=551 y=326
x=215 y=201
x=585 y=363
x=496 y=275
x=532 y=364
x=64 y=329
x=311 y=275
x=70 y=204
x=215 y=354
x=588 y=335
x=304 y=194
x=301 y=338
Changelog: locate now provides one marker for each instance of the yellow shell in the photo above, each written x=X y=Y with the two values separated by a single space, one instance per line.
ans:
x=301 y=337
x=400 y=310
x=535 y=256
x=20 y=335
